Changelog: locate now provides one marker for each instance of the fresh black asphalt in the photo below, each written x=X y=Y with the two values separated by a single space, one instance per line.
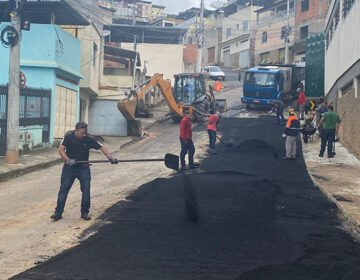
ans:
x=244 y=214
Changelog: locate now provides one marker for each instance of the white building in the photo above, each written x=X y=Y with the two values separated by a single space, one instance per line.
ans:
x=342 y=67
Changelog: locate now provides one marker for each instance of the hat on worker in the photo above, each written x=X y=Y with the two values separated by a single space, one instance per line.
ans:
x=292 y=111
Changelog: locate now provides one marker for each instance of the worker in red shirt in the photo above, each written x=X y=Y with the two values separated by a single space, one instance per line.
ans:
x=187 y=145
x=301 y=103
x=211 y=128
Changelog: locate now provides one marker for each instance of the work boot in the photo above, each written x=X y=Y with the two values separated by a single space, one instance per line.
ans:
x=85 y=217
x=56 y=216
x=330 y=156
x=321 y=155
x=183 y=168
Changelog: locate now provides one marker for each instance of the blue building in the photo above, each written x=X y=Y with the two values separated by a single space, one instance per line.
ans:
x=49 y=104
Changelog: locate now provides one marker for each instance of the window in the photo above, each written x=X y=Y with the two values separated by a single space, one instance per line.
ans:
x=190 y=40
x=245 y=25
x=95 y=48
x=237 y=44
x=168 y=24
x=304 y=5
x=264 y=37
x=237 y=26
x=228 y=32
x=303 y=32
x=283 y=32
x=265 y=57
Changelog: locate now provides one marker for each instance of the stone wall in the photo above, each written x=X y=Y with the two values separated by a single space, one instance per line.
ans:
x=347 y=107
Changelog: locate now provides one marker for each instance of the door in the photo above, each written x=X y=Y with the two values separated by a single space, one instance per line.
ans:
x=65 y=111
x=244 y=57
x=211 y=55
x=227 y=58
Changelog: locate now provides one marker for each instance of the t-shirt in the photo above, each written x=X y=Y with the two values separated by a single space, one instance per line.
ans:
x=331 y=119
x=185 y=128
x=79 y=148
x=213 y=119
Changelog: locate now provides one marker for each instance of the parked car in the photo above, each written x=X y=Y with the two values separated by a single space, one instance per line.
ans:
x=215 y=72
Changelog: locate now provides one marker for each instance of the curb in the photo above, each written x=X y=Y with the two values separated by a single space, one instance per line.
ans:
x=351 y=224
x=22 y=171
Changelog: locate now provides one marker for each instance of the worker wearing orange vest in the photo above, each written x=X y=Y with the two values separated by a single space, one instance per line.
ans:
x=217 y=86
x=291 y=133
x=211 y=128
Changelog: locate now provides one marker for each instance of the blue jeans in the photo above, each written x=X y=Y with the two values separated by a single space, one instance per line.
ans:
x=185 y=148
x=212 y=138
x=68 y=176
x=327 y=136
x=280 y=114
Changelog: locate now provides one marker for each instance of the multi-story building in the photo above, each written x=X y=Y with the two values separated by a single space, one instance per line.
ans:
x=271 y=32
x=157 y=11
x=144 y=9
x=309 y=19
x=342 y=67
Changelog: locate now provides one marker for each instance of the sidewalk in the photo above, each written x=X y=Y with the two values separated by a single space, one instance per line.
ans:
x=338 y=178
x=49 y=156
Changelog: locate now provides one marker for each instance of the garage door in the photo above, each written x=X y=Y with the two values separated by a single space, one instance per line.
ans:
x=227 y=58
x=244 y=57
x=65 y=111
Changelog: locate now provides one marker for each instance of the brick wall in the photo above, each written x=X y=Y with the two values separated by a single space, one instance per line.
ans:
x=347 y=108
x=313 y=12
x=190 y=53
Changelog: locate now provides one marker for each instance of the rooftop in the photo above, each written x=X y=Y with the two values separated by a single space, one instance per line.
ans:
x=42 y=11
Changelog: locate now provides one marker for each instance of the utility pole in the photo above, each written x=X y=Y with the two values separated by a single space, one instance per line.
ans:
x=134 y=64
x=13 y=98
x=134 y=14
x=200 y=38
x=287 y=33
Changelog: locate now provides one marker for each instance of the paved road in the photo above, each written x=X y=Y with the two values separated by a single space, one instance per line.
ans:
x=244 y=214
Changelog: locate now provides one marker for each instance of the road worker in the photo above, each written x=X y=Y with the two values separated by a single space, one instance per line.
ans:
x=75 y=147
x=187 y=144
x=211 y=128
x=291 y=133
x=328 y=124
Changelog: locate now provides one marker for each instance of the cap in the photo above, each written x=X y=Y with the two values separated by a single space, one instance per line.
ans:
x=291 y=111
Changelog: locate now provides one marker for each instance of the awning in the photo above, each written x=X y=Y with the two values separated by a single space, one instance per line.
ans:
x=146 y=34
x=42 y=12
x=119 y=52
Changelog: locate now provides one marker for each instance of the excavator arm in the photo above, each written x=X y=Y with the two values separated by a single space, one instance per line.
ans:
x=128 y=106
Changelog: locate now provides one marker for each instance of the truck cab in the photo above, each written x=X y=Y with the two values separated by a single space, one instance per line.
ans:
x=264 y=84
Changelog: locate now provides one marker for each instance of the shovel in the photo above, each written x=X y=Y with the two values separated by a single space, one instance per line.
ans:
x=228 y=145
x=171 y=161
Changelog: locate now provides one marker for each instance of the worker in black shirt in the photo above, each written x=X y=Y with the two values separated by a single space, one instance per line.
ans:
x=75 y=147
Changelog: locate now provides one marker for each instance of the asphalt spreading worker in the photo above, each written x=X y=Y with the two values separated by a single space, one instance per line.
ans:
x=75 y=147
x=211 y=128
x=278 y=106
x=291 y=133
x=187 y=144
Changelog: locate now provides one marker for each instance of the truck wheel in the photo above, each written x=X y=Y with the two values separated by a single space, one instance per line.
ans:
x=248 y=106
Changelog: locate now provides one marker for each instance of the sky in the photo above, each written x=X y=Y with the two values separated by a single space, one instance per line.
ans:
x=176 y=6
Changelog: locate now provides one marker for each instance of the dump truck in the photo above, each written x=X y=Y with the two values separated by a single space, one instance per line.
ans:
x=190 y=90
x=265 y=83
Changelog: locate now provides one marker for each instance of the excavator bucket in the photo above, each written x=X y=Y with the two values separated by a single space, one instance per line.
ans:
x=127 y=108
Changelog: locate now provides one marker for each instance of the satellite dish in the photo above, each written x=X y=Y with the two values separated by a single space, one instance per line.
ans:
x=106 y=33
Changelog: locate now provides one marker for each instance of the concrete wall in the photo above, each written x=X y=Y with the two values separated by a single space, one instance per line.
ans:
x=344 y=48
x=160 y=58
x=106 y=119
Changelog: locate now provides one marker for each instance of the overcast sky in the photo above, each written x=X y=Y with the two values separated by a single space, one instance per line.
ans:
x=175 y=6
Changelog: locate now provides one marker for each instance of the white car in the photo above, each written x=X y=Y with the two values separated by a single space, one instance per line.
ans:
x=215 y=72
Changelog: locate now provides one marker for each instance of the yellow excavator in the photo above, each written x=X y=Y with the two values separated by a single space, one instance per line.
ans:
x=190 y=90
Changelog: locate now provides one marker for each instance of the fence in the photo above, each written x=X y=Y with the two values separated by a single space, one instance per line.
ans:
x=35 y=105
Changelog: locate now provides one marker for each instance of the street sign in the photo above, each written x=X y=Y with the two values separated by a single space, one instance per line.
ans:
x=22 y=79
